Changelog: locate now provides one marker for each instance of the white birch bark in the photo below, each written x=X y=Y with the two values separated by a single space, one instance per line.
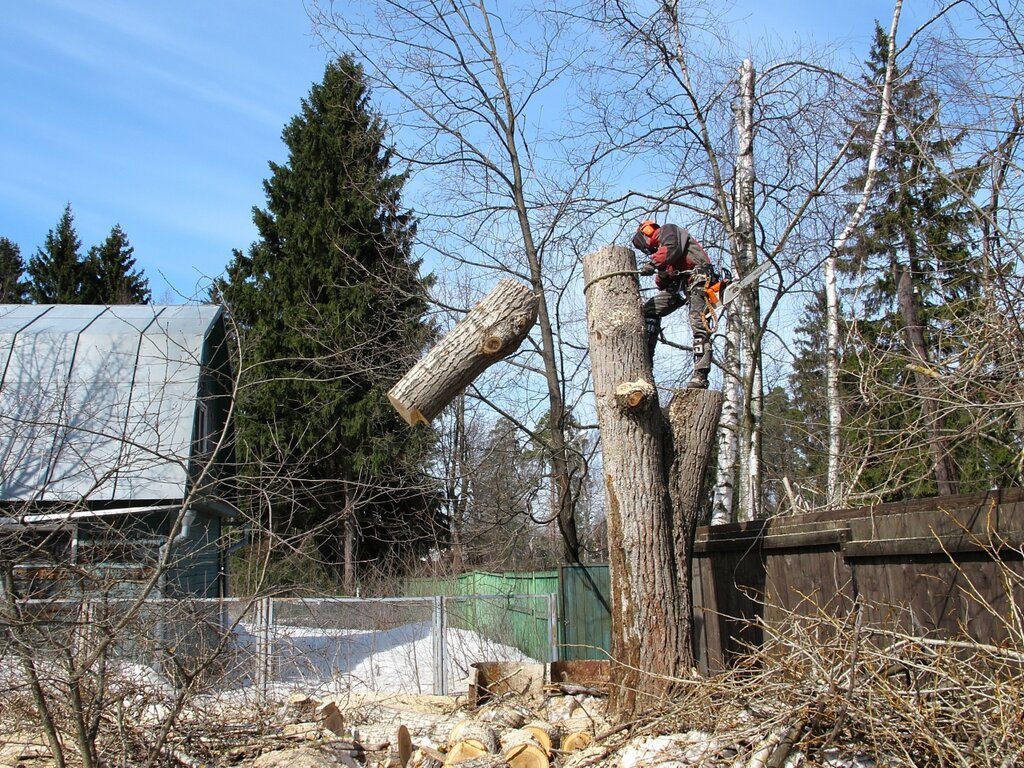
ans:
x=750 y=415
x=835 y=494
x=721 y=509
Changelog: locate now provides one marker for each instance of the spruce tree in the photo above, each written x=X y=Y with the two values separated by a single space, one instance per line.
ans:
x=109 y=274
x=13 y=286
x=915 y=267
x=330 y=306
x=56 y=268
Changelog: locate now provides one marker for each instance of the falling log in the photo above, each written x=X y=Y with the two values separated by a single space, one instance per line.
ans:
x=492 y=330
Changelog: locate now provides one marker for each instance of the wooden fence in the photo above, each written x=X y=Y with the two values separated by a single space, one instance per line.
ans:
x=949 y=567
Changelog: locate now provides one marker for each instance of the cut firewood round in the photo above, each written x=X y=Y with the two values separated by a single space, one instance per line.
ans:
x=464 y=750
x=544 y=732
x=484 y=761
x=576 y=740
x=470 y=730
x=404 y=741
x=502 y=714
x=528 y=754
x=522 y=750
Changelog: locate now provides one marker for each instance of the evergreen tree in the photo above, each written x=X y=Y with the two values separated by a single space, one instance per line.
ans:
x=56 y=268
x=13 y=286
x=109 y=274
x=917 y=273
x=330 y=306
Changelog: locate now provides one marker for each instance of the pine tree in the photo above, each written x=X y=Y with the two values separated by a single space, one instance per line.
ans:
x=13 y=286
x=109 y=274
x=330 y=306
x=56 y=268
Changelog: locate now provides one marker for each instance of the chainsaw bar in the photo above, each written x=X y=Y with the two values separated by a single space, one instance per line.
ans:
x=733 y=288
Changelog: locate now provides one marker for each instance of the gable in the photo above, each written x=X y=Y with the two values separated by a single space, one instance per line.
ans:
x=98 y=402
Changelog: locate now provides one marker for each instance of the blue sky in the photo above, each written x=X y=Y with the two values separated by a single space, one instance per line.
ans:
x=162 y=116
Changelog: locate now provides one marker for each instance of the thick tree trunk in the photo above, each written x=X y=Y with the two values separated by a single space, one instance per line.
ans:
x=492 y=330
x=693 y=418
x=651 y=633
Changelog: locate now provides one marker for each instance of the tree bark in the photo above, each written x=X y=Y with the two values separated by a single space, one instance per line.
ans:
x=492 y=330
x=945 y=471
x=651 y=634
x=749 y=304
x=693 y=416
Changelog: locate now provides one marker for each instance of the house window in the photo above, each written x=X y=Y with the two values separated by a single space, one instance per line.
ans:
x=204 y=436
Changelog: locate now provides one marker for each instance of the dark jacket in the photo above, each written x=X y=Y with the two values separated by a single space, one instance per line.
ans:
x=678 y=252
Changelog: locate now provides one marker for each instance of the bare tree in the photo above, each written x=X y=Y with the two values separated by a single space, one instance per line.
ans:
x=470 y=94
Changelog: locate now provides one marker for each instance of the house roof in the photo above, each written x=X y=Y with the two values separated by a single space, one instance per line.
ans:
x=99 y=402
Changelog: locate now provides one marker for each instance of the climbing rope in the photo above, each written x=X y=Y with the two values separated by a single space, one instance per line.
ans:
x=587 y=285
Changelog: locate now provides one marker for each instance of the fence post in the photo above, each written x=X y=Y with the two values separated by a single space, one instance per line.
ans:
x=440 y=647
x=553 y=625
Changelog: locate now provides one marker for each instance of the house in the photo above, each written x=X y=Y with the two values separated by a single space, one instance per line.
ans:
x=115 y=449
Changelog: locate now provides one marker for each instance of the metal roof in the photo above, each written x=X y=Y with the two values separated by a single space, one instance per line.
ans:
x=96 y=402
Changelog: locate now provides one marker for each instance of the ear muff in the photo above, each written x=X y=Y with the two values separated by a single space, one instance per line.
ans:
x=648 y=228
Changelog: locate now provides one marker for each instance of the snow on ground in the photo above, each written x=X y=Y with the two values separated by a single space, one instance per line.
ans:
x=316 y=661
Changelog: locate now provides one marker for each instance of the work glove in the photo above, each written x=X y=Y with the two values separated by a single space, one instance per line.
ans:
x=648 y=269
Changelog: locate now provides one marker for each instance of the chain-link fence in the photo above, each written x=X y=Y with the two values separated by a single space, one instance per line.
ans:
x=269 y=645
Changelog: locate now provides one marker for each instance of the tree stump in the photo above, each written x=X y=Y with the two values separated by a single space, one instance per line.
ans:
x=651 y=639
x=492 y=330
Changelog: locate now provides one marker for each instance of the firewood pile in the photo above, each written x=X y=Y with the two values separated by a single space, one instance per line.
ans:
x=431 y=732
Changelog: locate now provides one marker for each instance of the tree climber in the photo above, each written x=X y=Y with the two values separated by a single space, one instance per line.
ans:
x=680 y=264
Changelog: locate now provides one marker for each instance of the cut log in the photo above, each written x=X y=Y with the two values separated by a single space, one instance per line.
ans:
x=492 y=330
x=484 y=761
x=404 y=741
x=522 y=750
x=462 y=751
x=472 y=730
x=544 y=732
x=577 y=740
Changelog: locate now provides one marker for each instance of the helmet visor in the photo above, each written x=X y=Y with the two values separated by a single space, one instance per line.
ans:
x=641 y=243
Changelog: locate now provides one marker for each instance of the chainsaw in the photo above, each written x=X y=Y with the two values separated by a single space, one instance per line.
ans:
x=726 y=289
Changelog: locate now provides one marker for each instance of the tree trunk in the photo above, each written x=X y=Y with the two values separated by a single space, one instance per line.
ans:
x=749 y=304
x=492 y=330
x=833 y=490
x=728 y=433
x=348 y=548
x=836 y=492
x=693 y=416
x=945 y=472
x=651 y=637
